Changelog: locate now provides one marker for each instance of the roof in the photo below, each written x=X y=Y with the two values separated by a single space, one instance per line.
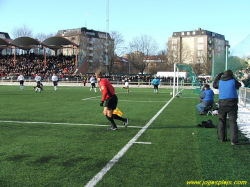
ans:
x=4 y=43
x=57 y=42
x=4 y=35
x=25 y=43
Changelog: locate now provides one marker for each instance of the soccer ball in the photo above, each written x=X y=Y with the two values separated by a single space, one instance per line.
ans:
x=171 y=93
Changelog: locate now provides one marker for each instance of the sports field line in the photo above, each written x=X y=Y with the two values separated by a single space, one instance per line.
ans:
x=49 y=123
x=93 y=99
x=115 y=159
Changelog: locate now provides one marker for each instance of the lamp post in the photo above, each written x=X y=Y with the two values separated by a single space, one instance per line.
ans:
x=226 y=65
x=213 y=53
x=107 y=30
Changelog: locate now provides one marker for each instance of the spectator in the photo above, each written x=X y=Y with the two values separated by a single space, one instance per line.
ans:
x=228 y=105
x=206 y=98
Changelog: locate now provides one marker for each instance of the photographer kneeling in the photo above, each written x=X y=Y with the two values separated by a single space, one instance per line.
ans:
x=206 y=98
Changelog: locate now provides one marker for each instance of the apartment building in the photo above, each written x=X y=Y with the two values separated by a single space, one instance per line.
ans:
x=196 y=47
x=93 y=47
x=4 y=49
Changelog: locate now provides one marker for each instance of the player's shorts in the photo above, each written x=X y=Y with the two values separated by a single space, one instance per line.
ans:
x=38 y=84
x=155 y=86
x=55 y=83
x=126 y=84
x=111 y=102
x=21 y=82
x=93 y=85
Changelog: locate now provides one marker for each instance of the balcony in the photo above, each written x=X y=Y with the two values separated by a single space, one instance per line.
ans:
x=210 y=42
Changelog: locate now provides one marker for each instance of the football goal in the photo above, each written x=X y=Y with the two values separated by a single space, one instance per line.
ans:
x=178 y=81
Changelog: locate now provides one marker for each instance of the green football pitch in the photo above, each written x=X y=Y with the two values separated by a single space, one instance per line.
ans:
x=60 y=138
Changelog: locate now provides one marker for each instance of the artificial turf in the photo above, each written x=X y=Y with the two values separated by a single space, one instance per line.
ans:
x=60 y=138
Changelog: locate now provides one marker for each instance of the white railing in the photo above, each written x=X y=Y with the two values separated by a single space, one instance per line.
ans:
x=244 y=97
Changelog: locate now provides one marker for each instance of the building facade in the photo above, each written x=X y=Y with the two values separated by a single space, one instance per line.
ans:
x=4 y=49
x=94 y=46
x=198 y=47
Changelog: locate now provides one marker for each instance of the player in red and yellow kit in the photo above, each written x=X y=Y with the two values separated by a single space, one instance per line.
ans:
x=111 y=100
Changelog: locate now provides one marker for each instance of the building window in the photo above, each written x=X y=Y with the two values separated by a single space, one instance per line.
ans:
x=2 y=36
x=188 y=33
x=200 y=60
x=200 y=46
x=174 y=41
x=193 y=32
x=200 y=40
x=200 y=53
x=174 y=47
x=183 y=33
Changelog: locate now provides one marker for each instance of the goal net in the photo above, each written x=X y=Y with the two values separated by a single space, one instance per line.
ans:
x=191 y=80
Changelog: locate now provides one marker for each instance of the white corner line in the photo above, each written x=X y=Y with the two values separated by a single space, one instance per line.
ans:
x=115 y=159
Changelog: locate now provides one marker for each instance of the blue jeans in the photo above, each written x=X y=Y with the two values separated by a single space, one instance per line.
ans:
x=200 y=107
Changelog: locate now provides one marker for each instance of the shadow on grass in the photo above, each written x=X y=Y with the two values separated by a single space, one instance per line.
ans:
x=18 y=158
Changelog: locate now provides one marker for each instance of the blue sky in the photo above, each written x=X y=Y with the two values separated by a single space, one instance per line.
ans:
x=132 y=18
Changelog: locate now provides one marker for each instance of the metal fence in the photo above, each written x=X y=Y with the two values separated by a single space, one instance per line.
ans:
x=244 y=97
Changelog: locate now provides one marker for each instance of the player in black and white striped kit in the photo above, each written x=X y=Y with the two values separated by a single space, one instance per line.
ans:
x=38 y=82
x=92 y=81
x=21 y=79
x=55 y=81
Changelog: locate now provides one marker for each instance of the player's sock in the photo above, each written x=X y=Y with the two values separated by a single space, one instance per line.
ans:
x=115 y=116
x=95 y=89
x=112 y=122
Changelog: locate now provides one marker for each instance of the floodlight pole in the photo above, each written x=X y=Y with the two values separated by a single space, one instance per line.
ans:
x=174 y=79
x=213 y=56
x=226 y=66
x=213 y=64
x=177 y=77
x=107 y=30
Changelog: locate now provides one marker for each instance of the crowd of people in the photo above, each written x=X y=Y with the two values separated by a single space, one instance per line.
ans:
x=64 y=66
x=31 y=64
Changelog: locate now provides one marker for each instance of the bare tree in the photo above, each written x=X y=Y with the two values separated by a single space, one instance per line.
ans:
x=24 y=30
x=140 y=48
x=115 y=48
x=118 y=42
x=164 y=65
x=41 y=36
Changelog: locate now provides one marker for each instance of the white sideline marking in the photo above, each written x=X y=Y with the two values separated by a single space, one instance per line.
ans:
x=93 y=99
x=90 y=98
x=48 y=123
x=115 y=159
x=143 y=142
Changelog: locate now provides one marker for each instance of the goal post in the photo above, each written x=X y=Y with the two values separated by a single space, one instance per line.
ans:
x=191 y=75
